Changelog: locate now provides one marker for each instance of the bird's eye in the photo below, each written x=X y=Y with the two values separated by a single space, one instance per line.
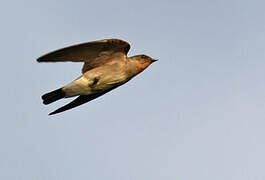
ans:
x=143 y=56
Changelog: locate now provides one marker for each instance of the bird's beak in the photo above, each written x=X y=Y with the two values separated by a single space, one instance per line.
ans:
x=154 y=60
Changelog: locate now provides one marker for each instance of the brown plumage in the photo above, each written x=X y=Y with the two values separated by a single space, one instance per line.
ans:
x=106 y=67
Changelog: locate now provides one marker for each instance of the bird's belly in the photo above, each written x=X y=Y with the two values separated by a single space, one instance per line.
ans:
x=94 y=83
x=80 y=86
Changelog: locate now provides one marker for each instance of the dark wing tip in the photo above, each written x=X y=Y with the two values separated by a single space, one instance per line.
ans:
x=76 y=102
x=44 y=58
x=52 y=56
x=40 y=59
x=54 y=112
x=61 y=109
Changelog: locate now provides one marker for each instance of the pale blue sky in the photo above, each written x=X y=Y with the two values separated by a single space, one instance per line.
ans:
x=196 y=114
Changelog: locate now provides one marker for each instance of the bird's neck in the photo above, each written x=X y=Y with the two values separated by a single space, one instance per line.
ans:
x=134 y=67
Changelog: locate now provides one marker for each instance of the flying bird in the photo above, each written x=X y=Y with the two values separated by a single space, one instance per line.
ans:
x=106 y=67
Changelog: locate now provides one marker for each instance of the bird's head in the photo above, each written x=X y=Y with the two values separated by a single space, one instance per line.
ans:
x=142 y=61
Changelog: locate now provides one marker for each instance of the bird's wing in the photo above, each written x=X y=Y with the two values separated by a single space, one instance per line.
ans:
x=76 y=102
x=83 y=99
x=93 y=53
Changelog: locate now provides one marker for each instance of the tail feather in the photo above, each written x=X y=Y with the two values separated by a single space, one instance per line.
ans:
x=53 y=96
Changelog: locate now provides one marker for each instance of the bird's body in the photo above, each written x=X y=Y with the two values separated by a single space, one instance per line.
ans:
x=102 y=73
x=99 y=79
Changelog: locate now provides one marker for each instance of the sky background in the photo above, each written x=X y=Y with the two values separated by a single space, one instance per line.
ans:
x=196 y=114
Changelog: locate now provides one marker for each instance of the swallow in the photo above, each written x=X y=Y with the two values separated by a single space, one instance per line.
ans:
x=106 y=67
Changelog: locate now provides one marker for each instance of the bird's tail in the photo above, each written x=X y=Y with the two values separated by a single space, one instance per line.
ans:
x=53 y=96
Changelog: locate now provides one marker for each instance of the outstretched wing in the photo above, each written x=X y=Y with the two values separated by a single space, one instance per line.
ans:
x=93 y=53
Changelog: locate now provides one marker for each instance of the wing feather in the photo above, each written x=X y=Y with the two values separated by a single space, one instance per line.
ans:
x=93 y=53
